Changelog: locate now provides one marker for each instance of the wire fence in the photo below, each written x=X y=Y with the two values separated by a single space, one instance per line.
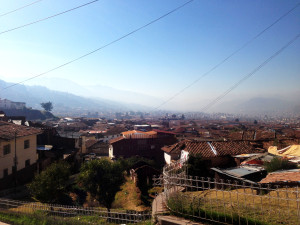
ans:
x=226 y=201
x=98 y=215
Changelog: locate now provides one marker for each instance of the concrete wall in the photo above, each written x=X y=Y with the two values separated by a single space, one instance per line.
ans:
x=7 y=161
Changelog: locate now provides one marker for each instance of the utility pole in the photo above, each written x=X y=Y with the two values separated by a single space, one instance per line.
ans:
x=15 y=164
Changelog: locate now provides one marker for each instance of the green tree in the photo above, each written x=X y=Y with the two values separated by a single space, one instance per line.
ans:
x=48 y=106
x=51 y=184
x=102 y=179
x=196 y=166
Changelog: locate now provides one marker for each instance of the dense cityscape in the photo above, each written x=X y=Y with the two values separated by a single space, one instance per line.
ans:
x=174 y=112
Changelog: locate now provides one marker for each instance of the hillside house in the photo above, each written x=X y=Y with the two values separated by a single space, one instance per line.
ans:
x=95 y=146
x=7 y=104
x=215 y=153
x=138 y=143
x=18 y=146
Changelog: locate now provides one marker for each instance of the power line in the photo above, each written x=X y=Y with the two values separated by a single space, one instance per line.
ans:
x=102 y=47
x=4 y=14
x=209 y=105
x=46 y=18
x=227 y=58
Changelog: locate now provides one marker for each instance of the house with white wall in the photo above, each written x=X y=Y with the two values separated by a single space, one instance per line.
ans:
x=18 y=145
x=7 y=104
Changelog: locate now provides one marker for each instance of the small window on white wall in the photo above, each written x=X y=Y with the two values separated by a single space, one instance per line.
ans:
x=26 y=144
x=6 y=149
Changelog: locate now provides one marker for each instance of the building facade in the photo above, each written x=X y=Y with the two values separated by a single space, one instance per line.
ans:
x=18 y=146
x=7 y=104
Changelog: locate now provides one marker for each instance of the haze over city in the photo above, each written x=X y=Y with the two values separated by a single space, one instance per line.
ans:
x=149 y=112
x=157 y=62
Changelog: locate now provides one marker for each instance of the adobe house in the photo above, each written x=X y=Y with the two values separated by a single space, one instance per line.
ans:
x=144 y=144
x=18 y=153
x=214 y=153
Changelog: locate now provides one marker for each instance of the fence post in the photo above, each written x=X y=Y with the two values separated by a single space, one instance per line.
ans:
x=287 y=201
x=297 y=199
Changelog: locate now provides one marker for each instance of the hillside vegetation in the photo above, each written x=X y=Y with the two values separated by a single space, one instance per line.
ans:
x=275 y=207
x=129 y=197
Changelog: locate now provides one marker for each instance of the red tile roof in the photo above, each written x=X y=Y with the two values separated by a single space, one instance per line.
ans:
x=8 y=130
x=163 y=131
x=282 y=176
x=175 y=147
x=116 y=139
x=90 y=143
x=263 y=135
x=203 y=148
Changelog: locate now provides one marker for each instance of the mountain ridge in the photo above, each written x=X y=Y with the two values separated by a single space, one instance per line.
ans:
x=62 y=101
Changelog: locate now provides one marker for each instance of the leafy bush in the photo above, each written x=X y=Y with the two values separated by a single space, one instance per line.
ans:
x=278 y=163
x=197 y=166
x=102 y=179
x=155 y=190
x=50 y=186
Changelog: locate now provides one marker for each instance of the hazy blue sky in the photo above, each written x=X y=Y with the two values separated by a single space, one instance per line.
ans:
x=162 y=58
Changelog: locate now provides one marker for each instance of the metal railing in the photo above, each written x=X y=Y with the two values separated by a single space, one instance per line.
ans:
x=55 y=210
x=228 y=202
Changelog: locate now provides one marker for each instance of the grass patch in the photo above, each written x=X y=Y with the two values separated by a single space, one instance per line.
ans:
x=241 y=206
x=41 y=218
x=37 y=219
x=129 y=197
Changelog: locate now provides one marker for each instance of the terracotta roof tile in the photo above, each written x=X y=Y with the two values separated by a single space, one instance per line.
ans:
x=90 y=143
x=282 y=176
x=204 y=148
x=263 y=135
x=7 y=130
x=174 y=147
x=116 y=139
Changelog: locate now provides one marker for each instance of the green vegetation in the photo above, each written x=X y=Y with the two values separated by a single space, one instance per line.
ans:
x=129 y=197
x=129 y=162
x=196 y=166
x=237 y=205
x=278 y=163
x=47 y=106
x=51 y=185
x=44 y=219
x=97 y=183
x=102 y=179
x=155 y=190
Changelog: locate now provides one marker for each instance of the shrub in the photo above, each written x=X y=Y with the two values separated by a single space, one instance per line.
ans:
x=278 y=163
x=51 y=185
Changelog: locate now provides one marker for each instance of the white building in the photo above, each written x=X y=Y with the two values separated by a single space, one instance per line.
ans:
x=18 y=146
x=7 y=104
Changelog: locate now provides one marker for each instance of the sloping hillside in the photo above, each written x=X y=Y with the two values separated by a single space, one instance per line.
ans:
x=62 y=101
x=30 y=114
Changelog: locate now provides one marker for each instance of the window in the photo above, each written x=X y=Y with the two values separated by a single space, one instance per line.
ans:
x=26 y=144
x=5 y=172
x=27 y=162
x=6 y=149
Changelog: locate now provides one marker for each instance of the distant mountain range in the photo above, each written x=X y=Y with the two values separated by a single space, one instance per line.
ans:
x=62 y=101
x=130 y=98
x=106 y=99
